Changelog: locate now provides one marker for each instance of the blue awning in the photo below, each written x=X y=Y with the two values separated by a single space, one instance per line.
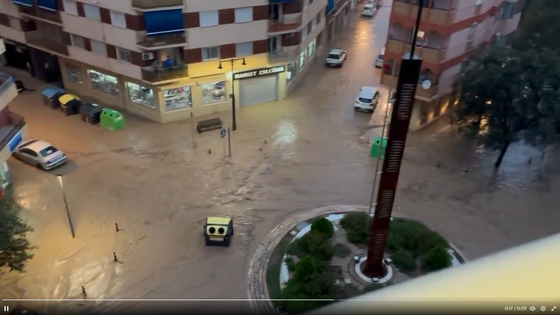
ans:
x=47 y=4
x=27 y=3
x=164 y=22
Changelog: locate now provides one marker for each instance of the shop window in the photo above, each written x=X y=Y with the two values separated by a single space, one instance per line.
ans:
x=213 y=92
x=103 y=82
x=311 y=49
x=301 y=61
x=74 y=74
x=140 y=95
x=178 y=98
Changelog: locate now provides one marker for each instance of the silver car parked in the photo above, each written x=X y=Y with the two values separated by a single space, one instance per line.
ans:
x=40 y=153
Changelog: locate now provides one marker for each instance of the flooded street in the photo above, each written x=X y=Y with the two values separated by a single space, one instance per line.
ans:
x=287 y=157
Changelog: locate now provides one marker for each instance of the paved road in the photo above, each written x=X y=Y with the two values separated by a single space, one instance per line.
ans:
x=159 y=190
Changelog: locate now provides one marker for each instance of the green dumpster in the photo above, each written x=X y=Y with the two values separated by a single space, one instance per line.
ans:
x=111 y=119
x=378 y=148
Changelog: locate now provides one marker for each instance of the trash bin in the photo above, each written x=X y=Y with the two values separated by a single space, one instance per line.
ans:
x=91 y=113
x=378 y=148
x=69 y=104
x=51 y=95
x=111 y=119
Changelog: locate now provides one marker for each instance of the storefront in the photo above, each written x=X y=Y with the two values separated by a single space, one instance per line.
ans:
x=258 y=86
x=177 y=98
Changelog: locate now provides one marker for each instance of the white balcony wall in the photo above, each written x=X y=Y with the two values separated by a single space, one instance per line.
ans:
x=8 y=93
x=10 y=33
x=9 y=8
x=227 y=34
x=89 y=57
x=312 y=10
x=123 y=6
x=83 y=27
x=467 y=8
x=206 y=5
x=120 y=37
x=125 y=69
x=509 y=26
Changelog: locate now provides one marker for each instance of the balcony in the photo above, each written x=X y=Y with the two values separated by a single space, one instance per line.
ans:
x=11 y=125
x=436 y=16
x=49 y=39
x=37 y=13
x=152 y=75
x=162 y=41
x=428 y=54
x=283 y=54
x=8 y=90
x=142 y=5
x=284 y=26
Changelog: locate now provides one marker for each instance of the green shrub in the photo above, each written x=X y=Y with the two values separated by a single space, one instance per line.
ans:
x=437 y=258
x=290 y=264
x=323 y=226
x=413 y=236
x=356 y=226
x=404 y=261
x=294 y=249
x=341 y=251
x=317 y=245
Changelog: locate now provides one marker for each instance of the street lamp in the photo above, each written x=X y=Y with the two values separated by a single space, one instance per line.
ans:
x=231 y=61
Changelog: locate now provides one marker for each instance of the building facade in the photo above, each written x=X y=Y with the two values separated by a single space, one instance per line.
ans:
x=166 y=59
x=450 y=31
x=12 y=127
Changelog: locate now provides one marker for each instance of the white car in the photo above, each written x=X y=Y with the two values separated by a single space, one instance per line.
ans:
x=367 y=99
x=336 y=57
x=40 y=153
x=369 y=10
x=380 y=57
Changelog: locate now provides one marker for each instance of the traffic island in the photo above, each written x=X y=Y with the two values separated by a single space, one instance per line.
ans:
x=321 y=257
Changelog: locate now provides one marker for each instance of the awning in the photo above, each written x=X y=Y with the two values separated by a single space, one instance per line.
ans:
x=164 y=22
x=47 y=4
x=27 y=3
x=67 y=98
x=51 y=91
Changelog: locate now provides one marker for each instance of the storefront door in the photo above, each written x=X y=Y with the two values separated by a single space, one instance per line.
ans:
x=258 y=90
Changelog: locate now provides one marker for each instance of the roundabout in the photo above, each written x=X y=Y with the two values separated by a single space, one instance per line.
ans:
x=327 y=246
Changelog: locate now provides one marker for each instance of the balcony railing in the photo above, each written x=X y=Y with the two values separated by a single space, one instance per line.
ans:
x=154 y=4
x=7 y=132
x=46 y=41
x=152 y=75
x=428 y=54
x=284 y=26
x=38 y=13
x=283 y=54
x=156 y=42
x=439 y=16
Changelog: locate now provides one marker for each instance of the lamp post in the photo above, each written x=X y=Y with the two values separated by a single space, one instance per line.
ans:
x=232 y=61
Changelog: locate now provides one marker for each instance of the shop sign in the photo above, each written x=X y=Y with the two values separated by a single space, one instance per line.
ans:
x=258 y=73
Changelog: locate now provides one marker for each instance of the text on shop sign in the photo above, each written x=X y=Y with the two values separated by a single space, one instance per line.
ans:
x=258 y=73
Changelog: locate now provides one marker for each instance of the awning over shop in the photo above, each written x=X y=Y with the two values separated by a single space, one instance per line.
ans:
x=27 y=3
x=164 y=22
x=47 y=4
x=51 y=91
x=67 y=98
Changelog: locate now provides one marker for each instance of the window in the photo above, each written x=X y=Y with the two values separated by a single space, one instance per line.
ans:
x=420 y=38
x=314 y=23
x=140 y=95
x=123 y=55
x=290 y=72
x=92 y=12
x=77 y=41
x=103 y=82
x=304 y=34
x=208 y=18
x=244 y=49
x=177 y=98
x=471 y=32
x=70 y=7
x=210 y=53
x=118 y=19
x=73 y=74
x=507 y=11
x=98 y=47
x=311 y=49
x=213 y=92
x=301 y=61
x=243 y=15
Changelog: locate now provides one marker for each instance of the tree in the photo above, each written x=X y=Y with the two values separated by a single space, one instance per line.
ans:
x=14 y=246
x=323 y=226
x=507 y=96
x=438 y=258
x=540 y=26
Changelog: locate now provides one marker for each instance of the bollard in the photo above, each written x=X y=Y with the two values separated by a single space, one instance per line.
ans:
x=209 y=151
x=115 y=256
x=438 y=165
x=117 y=227
x=467 y=170
x=83 y=290
x=265 y=142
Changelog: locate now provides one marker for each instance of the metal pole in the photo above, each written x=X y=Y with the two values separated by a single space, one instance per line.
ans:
x=66 y=207
x=416 y=28
x=229 y=142
x=233 y=118
x=192 y=131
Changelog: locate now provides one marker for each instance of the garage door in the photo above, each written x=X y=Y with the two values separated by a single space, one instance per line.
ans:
x=258 y=90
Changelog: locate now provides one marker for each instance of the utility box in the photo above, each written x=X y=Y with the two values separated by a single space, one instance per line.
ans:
x=378 y=148
x=111 y=119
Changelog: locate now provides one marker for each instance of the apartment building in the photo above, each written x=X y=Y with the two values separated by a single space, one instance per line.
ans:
x=450 y=30
x=166 y=59
x=12 y=126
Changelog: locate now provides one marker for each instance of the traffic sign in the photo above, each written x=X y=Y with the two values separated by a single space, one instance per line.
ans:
x=223 y=133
